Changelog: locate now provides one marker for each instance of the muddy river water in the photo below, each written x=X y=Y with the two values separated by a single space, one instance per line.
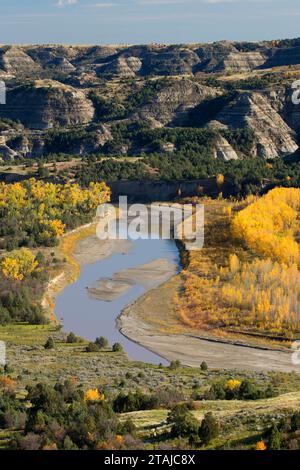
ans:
x=90 y=307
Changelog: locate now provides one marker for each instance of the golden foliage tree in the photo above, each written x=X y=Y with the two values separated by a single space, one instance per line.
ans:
x=232 y=384
x=93 y=395
x=260 y=445
x=256 y=284
x=18 y=264
x=7 y=384
x=43 y=211
x=267 y=225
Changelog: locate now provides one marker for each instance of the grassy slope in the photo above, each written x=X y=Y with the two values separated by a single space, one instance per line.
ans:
x=243 y=422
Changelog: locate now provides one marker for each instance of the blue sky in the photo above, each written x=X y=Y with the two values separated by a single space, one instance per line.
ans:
x=144 y=21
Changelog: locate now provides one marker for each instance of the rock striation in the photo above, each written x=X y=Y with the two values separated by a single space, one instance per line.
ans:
x=172 y=104
x=122 y=66
x=252 y=109
x=224 y=150
x=221 y=85
x=47 y=104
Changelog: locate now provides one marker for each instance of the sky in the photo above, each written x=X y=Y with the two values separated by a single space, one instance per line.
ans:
x=146 y=21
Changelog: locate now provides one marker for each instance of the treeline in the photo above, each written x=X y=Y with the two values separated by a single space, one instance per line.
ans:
x=65 y=417
x=62 y=417
x=251 y=283
x=34 y=213
x=266 y=226
x=137 y=400
x=23 y=277
x=262 y=294
x=234 y=389
x=20 y=306
x=266 y=289
x=247 y=176
x=110 y=170
x=61 y=141
x=139 y=138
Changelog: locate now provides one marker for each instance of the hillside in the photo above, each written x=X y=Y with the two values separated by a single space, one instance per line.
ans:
x=82 y=100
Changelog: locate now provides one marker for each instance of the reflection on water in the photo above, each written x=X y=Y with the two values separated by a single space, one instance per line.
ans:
x=90 y=318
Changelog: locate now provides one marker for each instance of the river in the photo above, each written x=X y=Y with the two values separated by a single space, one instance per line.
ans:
x=89 y=318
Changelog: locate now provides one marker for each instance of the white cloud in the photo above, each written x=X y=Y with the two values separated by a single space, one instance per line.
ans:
x=103 y=5
x=210 y=2
x=62 y=3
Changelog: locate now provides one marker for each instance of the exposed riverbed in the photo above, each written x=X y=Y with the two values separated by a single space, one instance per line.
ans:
x=125 y=270
x=135 y=278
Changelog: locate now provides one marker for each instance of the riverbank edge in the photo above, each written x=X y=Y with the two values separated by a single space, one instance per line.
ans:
x=192 y=348
x=144 y=329
x=71 y=269
x=71 y=272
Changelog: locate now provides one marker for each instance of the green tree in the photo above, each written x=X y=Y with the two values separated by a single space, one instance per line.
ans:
x=183 y=423
x=69 y=444
x=275 y=439
x=72 y=338
x=216 y=392
x=42 y=171
x=102 y=342
x=117 y=347
x=209 y=428
x=248 y=390
x=49 y=343
x=92 y=347
x=295 y=421
x=174 y=365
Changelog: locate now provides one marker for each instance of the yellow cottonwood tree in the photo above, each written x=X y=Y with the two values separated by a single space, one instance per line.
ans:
x=18 y=264
x=267 y=225
x=93 y=395
x=57 y=226
x=232 y=384
x=220 y=179
x=240 y=293
x=260 y=445
x=40 y=212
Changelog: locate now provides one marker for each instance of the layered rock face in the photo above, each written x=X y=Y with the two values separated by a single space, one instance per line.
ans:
x=253 y=110
x=47 y=104
x=6 y=153
x=122 y=66
x=289 y=110
x=95 y=55
x=61 y=65
x=147 y=60
x=14 y=61
x=278 y=57
x=170 y=61
x=43 y=55
x=171 y=105
x=49 y=87
x=212 y=55
x=224 y=150
x=241 y=62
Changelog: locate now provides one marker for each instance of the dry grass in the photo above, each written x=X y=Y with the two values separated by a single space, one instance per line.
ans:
x=241 y=420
